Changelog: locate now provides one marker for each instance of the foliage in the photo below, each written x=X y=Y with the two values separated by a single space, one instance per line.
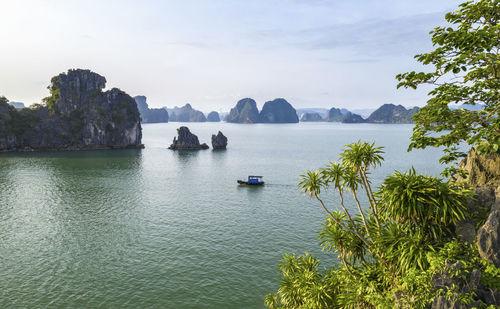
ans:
x=423 y=201
x=465 y=70
x=52 y=100
x=16 y=122
x=391 y=250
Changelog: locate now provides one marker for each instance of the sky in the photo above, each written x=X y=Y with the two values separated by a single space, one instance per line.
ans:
x=211 y=53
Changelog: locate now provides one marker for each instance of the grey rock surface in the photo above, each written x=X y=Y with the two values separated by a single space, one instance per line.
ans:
x=488 y=236
x=219 y=141
x=77 y=115
x=278 y=111
x=245 y=111
x=186 y=141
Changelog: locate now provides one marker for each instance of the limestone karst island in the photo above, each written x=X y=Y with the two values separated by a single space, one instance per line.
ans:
x=250 y=154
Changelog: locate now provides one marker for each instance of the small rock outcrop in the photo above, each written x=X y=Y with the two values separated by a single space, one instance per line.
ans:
x=150 y=115
x=77 y=115
x=278 y=111
x=311 y=117
x=219 y=141
x=390 y=113
x=186 y=141
x=245 y=111
x=186 y=114
x=213 y=117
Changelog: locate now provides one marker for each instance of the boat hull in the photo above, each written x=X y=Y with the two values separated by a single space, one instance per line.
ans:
x=246 y=183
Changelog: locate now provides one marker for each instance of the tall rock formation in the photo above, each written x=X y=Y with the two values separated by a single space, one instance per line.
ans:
x=150 y=115
x=278 y=111
x=245 y=111
x=77 y=115
x=213 y=117
x=186 y=114
x=390 y=113
x=219 y=141
x=186 y=141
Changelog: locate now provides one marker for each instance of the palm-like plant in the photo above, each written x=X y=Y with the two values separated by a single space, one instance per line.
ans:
x=422 y=201
x=361 y=156
x=349 y=247
x=312 y=183
x=351 y=182
x=334 y=174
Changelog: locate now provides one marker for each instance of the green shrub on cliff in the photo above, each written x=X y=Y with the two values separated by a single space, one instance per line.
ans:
x=397 y=250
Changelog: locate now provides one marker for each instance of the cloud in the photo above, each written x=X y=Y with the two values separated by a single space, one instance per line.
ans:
x=364 y=41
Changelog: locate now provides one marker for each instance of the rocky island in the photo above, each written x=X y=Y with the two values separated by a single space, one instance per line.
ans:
x=278 y=111
x=390 y=113
x=150 y=115
x=245 y=111
x=77 y=115
x=213 y=117
x=219 y=141
x=186 y=114
x=186 y=141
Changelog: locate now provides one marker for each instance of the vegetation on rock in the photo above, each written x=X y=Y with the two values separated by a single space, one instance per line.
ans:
x=400 y=248
x=76 y=115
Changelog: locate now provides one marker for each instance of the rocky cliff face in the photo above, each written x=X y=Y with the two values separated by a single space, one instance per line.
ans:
x=213 y=117
x=186 y=114
x=150 y=115
x=484 y=176
x=278 y=111
x=390 y=113
x=484 y=211
x=77 y=115
x=245 y=111
x=311 y=117
x=186 y=141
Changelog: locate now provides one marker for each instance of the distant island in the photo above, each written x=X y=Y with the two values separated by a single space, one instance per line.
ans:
x=387 y=113
x=150 y=115
x=77 y=115
x=276 y=111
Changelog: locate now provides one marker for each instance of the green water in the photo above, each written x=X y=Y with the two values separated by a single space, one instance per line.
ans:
x=164 y=229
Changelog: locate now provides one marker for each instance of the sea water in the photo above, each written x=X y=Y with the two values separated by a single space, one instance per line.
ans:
x=170 y=229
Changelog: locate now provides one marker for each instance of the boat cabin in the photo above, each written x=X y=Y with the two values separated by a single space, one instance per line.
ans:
x=254 y=179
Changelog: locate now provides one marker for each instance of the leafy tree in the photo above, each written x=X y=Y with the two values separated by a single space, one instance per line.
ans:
x=465 y=69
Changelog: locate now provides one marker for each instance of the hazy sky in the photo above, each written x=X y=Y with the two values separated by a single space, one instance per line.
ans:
x=211 y=53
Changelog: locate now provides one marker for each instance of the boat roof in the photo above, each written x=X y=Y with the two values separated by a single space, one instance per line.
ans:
x=255 y=176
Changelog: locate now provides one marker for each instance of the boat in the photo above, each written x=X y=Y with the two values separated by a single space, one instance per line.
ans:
x=252 y=181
